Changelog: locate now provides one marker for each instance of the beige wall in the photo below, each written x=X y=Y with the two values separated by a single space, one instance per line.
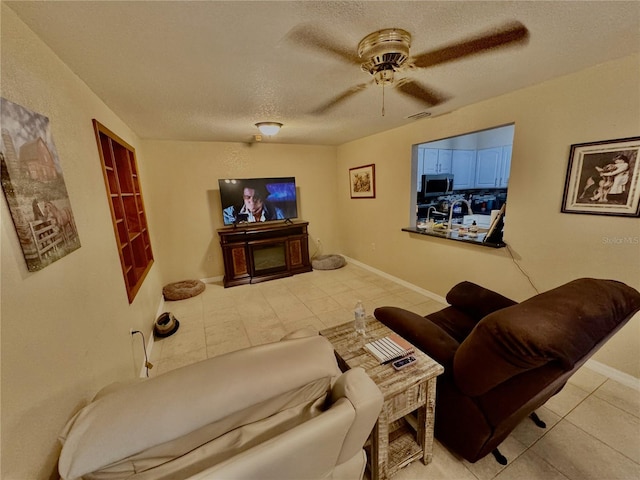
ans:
x=65 y=329
x=183 y=198
x=552 y=247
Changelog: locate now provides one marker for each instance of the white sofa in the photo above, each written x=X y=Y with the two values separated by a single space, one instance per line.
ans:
x=276 y=411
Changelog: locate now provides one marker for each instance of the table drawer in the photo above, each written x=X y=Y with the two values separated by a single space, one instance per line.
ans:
x=406 y=401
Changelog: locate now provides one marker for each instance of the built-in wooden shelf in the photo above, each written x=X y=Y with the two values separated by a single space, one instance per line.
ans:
x=120 y=171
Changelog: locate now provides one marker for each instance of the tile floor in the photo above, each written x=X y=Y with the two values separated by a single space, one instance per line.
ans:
x=593 y=425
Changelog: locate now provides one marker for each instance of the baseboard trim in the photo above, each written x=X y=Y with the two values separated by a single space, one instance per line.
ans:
x=212 y=279
x=614 y=374
x=404 y=283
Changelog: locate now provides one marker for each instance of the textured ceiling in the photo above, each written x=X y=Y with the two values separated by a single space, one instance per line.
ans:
x=209 y=70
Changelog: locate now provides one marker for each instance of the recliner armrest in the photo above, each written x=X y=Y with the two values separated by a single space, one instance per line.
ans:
x=366 y=398
x=421 y=332
x=477 y=301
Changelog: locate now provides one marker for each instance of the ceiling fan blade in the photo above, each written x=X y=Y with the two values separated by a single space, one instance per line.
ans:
x=312 y=38
x=510 y=34
x=339 y=98
x=424 y=94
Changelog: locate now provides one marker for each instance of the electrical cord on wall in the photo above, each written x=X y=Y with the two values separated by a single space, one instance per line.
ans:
x=513 y=258
x=318 y=248
x=147 y=364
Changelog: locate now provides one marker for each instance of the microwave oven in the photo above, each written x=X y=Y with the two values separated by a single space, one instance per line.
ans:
x=433 y=185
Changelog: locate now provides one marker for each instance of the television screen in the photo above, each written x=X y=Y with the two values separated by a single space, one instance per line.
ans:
x=258 y=199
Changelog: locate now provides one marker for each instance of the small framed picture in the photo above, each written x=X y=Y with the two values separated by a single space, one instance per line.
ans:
x=362 y=181
x=603 y=178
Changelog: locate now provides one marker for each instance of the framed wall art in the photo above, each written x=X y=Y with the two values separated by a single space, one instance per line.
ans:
x=34 y=186
x=603 y=178
x=362 y=181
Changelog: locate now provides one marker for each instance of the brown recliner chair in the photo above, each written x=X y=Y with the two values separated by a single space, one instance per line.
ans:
x=502 y=359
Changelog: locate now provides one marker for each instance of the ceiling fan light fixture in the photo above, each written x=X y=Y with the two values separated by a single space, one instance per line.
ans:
x=269 y=128
x=384 y=76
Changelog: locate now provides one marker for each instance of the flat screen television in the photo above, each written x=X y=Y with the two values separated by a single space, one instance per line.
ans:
x=248 y=200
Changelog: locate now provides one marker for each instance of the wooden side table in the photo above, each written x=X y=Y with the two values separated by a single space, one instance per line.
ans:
x=404 y=430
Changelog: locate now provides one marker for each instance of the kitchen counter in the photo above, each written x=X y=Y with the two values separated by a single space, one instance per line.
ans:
x=455 y=235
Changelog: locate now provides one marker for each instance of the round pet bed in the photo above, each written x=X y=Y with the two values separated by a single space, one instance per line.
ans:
x=182 y=290
x=328 y=262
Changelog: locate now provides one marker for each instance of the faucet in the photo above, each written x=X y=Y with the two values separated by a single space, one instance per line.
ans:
x=453 y=205
x=429 y=212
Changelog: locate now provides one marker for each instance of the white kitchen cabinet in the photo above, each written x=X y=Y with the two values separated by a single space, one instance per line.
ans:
x=488 y=165
x=463 y=168
x=484 y=168
x=437 y=160
x=432 y=161
x=493 y=166
x=505 y=167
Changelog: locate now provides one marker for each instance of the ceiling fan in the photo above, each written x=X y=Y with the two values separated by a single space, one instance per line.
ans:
x=385 y=55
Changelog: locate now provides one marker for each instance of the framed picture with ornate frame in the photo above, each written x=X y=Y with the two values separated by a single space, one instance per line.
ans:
x=362 y=181
x=603 y=178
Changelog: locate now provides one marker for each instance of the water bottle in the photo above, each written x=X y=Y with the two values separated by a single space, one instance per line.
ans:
x=359 y=322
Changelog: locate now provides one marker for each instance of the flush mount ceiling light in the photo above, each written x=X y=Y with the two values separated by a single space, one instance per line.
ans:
x=269 y=128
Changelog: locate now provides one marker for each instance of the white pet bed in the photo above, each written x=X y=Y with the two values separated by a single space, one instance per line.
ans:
x=328 y=262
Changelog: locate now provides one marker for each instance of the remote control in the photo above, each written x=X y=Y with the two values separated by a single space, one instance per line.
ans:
x=403 y=362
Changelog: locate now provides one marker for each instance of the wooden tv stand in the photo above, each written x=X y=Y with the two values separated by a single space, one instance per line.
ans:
x=256 y=252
